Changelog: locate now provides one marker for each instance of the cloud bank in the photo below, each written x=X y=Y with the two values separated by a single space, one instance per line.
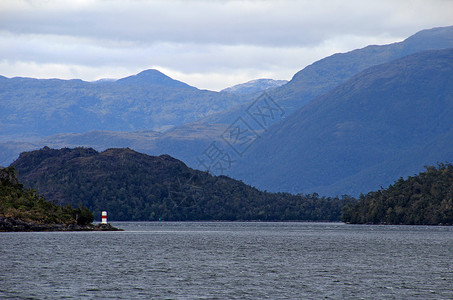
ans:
x=208 y=44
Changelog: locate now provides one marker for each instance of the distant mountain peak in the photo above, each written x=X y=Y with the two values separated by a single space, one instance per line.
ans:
x=253 y=86
x=153 y=77
x=151 y=73
x=436 y=35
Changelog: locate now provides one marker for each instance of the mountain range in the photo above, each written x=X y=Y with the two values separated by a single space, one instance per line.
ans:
x=187 y=141
x=31 y=109
x=387 y=121
x=327 y=73
x=292 y=139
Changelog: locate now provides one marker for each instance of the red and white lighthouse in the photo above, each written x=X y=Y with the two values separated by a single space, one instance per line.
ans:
x=104 y=217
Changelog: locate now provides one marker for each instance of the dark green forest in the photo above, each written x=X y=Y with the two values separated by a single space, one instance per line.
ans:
x=424 y=199
x=137 y=187
x=17 y=202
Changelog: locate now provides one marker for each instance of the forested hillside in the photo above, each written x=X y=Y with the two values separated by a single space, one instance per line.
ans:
x=19 y=203
x=135 y=186
x=424 y=199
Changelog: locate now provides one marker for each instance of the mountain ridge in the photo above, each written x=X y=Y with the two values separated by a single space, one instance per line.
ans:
x=381 y=116
x=210 y=129
x=153 y=77
x=329 y=72
x=31 y=109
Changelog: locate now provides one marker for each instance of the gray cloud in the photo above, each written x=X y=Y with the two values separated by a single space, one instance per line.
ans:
x=227 y=41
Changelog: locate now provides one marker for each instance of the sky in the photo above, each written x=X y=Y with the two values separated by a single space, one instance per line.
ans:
x=209 y=44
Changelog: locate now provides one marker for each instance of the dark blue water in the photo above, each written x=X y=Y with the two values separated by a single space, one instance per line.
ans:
x=230 y=261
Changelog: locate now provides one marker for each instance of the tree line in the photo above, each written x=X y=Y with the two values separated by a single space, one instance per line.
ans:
x=424 y=199
x=136 y=187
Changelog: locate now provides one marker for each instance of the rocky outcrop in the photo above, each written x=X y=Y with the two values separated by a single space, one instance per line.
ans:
x=14 y=225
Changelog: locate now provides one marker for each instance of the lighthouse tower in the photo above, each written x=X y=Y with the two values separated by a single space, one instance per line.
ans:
x=104 y=217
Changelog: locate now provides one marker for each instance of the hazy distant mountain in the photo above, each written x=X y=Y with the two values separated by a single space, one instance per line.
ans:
x=327 y=73
x=104 y=80
x=153 y=77
x=310 y=82
x=32 y=108
x=186 y=141
x=254 y=86
x=9 y=151
x=387 y=121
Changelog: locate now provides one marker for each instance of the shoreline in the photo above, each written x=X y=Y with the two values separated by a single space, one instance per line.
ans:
x=15 y=225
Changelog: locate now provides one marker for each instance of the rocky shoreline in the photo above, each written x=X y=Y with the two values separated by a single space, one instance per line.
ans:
x=13 y=225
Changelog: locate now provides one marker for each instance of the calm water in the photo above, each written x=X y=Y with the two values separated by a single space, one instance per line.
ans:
x=230 y=261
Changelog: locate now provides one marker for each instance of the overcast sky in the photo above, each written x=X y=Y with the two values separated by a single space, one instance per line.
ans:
x=207 y=44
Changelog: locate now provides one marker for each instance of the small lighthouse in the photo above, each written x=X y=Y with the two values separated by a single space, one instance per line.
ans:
x=104 y=217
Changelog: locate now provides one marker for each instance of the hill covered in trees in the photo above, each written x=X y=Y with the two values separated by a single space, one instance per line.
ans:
x=425 y=199
x=135 y=186
x=20 y=206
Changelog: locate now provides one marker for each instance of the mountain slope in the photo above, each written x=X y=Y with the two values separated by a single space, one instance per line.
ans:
x=186 y=141
x=310 y=82
x=386 y=122
x=327 y=73
x=135 y=186
x=34 y=108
